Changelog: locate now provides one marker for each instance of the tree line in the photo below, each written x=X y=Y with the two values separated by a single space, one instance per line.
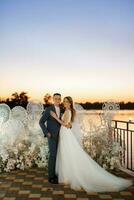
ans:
x=98 y=105
x=22 y=99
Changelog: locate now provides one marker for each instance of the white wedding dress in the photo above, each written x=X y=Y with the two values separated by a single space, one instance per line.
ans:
x=76 y=168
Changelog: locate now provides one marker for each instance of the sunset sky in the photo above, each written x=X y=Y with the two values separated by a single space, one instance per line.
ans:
x=81 y=48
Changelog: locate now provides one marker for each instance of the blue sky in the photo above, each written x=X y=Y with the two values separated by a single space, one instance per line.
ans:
x=82 y=48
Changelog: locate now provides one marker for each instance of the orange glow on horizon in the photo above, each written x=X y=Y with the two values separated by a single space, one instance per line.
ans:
x=83 y=99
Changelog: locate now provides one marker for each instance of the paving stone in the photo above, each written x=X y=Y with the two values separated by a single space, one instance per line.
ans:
x=92 y=193
x=36 y=186
x=70 y=196
x=105 y=196
x=18 y=180
x=34 y=196
x=33 y=184
x=125 y=193
x=4 y=185
x=27 y=183
x=24 y=192
x=2 y=195
x=14 y=189
x=58 y=192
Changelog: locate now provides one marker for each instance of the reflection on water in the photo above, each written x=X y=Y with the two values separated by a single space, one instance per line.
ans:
x=121 y=115
x=95 y=117
x=124 y=115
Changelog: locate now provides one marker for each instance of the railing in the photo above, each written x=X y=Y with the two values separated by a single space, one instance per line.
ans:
x=123 y=132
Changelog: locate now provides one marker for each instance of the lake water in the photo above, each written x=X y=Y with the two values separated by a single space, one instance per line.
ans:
x=121 y=115
x=95 y=116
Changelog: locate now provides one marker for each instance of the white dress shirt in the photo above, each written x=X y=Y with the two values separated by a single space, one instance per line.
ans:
x=57 y=108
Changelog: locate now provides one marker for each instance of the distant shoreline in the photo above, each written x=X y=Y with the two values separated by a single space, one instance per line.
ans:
x=98 y=105
x=22 y=99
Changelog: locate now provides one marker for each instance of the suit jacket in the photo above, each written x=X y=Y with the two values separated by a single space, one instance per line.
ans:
x=48 y=124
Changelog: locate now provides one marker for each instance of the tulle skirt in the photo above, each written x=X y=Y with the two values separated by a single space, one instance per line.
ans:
x=76 y=168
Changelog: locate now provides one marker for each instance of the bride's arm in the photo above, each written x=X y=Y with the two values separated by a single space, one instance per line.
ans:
x=65 y=122
x=67 y=119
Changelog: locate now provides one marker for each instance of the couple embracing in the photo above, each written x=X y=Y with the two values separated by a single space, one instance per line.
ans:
x=68 y=162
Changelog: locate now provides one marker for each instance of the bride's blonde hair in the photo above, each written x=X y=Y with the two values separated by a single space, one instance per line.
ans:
x=73 y=112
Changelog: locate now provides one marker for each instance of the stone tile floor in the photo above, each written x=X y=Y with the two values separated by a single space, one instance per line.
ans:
x=33 y=184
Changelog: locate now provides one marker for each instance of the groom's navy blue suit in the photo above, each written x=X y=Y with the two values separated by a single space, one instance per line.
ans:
x=49 y=125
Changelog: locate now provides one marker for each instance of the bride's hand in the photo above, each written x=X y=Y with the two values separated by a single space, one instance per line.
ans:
x=53 y=114
x=69 y=125
x=63 y=123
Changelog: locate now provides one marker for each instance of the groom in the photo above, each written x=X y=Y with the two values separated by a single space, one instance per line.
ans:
x=51 y=128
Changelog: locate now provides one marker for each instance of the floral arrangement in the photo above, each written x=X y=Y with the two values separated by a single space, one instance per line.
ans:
x=98 y=142
x=23 y=144
x=23 y=155
x=106 y=153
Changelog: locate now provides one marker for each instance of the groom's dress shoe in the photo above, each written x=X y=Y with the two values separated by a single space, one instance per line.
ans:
x=53 y=181
x=56 y=178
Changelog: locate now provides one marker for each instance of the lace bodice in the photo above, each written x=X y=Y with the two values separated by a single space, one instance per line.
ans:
x=66 y=117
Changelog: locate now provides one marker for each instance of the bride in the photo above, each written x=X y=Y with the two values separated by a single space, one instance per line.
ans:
x=75 y=167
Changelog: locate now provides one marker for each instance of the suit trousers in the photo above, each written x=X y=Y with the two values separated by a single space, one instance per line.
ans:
x=53 y=145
